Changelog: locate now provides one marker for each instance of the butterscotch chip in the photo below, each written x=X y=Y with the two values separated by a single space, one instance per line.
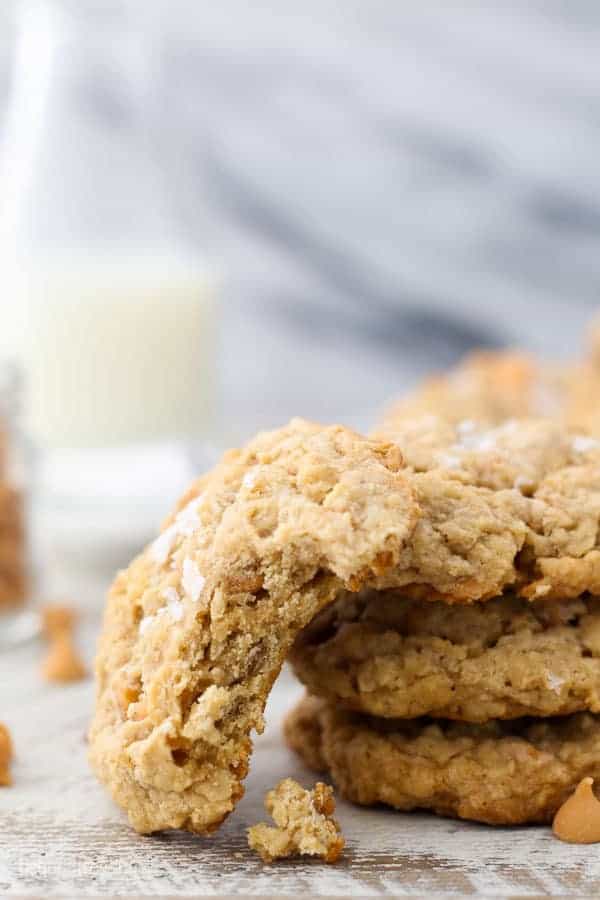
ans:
x=304 y=824
x=198 y=627
x=578 y=819
x=57 y=618
x=386 y=655
x=6 y=755
x=502 y=773
x=63 y=663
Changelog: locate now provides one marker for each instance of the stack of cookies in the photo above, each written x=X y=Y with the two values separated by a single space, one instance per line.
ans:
x=437 y=590
x=477 y=704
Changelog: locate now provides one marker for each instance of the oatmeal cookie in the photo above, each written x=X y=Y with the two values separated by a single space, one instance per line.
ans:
x=63 y=663
x=491 y=387
x=488 y=387
x=197 y=628
x=386 y=655
x=501 y=773
x=304 y=824
x=548 y=473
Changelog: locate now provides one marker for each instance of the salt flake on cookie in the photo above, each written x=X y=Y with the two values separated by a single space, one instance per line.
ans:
x=193 y=581
x=186 y=524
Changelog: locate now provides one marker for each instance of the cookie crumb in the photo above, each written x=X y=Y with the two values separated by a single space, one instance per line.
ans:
x=304 y=824
x=6 y=755
x=578 y=819
x=56 y=619
x=63 y=663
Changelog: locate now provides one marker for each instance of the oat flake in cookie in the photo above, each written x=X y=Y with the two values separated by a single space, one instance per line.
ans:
x=197 y=628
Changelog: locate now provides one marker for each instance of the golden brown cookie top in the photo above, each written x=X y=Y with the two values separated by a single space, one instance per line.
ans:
x=529 y=482
x=198 y=627
x=517 y=453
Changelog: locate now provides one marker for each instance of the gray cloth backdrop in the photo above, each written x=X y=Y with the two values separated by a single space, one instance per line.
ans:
x=383 y=185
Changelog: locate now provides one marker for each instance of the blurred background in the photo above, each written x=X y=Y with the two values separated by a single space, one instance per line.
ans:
x=217 y=216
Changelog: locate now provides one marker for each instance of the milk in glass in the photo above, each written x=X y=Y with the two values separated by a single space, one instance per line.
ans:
x=108 y=308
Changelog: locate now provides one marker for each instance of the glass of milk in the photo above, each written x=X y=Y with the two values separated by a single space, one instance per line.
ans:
x=108 y=309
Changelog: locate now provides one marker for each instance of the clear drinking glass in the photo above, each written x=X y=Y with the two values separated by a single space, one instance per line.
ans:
x=107 y=306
